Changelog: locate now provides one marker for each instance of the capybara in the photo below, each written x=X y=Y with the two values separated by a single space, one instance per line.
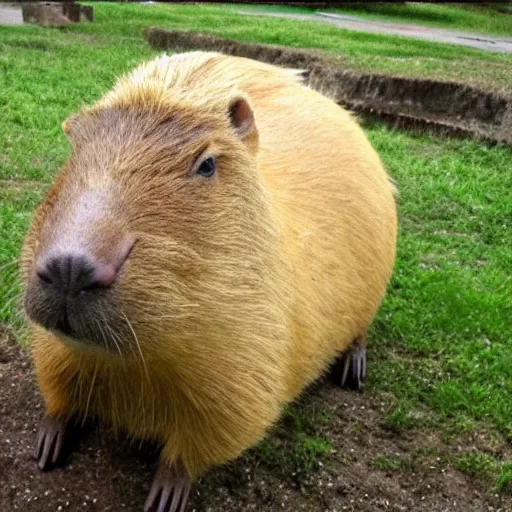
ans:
x=219 y=237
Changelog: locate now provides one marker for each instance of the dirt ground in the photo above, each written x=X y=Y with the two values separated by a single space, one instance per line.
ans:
x=103 y=474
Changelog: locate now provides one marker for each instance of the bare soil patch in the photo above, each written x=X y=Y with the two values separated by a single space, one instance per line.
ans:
x=106 y=474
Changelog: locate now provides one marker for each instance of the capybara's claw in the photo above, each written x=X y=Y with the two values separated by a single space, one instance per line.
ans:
x=49 y=443
x=349 y=370
x=169 y=490
x=353 y=367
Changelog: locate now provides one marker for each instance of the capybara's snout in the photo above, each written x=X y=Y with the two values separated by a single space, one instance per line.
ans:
x=74 y=272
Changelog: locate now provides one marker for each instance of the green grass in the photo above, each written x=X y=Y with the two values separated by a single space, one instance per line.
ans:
x=445 y=326
x=486 y=468
x=279 y=9
x=17 y=201
x=441 y=344
x=295 y=445
x=389 y=463
x=504 y=483
x=475 y=464
x=470 y=18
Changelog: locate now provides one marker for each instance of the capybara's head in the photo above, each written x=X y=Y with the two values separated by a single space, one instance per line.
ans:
x=158 y=226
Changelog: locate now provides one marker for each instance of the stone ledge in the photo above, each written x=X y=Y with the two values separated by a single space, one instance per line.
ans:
x=56 y=14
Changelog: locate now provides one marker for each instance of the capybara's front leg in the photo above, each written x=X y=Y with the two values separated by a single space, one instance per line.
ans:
x=50 y=442
x=169 y=490
x=349 y=371
x=56 y=388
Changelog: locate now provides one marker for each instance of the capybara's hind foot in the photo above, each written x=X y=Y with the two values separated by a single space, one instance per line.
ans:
x=50 y=441
x=349 y=371
x=169 y=490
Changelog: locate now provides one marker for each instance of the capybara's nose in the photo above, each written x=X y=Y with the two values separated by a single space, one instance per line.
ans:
x=72 y=273
x=71 y=283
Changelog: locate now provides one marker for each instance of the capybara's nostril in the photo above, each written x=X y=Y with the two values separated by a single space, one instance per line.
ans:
x=45 y=275
x=71 y=273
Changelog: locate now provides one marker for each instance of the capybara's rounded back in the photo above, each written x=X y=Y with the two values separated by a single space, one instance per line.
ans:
x=220 y=233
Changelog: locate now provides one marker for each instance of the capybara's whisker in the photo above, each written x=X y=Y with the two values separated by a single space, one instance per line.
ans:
x=112 y=334
x=91 y=390
x=136 y=343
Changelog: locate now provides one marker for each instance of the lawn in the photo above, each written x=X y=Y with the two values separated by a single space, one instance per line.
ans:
x=441 y=345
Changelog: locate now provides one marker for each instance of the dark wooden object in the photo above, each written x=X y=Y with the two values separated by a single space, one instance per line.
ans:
x=56 y=14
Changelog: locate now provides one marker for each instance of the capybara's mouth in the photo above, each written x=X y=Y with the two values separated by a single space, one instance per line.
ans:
x=89 y=320
x=64 y=327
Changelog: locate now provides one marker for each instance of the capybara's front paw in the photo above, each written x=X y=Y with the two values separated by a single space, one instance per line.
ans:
x=169 y=490
x=50 y=441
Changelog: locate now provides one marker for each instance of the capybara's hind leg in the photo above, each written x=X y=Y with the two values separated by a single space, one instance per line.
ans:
x=349 y=370
x=169 y=490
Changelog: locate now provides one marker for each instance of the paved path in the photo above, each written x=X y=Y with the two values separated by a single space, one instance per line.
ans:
x=481 y=42
x=10 y=15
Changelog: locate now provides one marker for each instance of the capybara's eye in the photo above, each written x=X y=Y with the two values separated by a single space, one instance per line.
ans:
x=207 y=168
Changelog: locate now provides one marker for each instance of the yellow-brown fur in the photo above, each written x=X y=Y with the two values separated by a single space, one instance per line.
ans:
x=239 y=292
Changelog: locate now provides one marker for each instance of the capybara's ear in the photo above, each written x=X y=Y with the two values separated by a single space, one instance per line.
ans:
x=242 y=117
x=67 y=126
x=71 y=126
